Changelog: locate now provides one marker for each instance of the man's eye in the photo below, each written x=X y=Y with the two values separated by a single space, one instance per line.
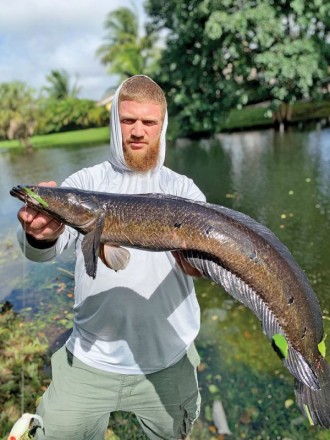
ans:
x=127 y=121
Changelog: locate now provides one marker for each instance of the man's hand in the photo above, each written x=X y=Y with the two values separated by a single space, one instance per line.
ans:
x=185 y=266
x=40 y=226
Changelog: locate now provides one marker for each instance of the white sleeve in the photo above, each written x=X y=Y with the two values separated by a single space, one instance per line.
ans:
x=63 y=242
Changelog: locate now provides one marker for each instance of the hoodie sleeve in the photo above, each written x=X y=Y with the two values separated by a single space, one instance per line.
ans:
x=64 y=241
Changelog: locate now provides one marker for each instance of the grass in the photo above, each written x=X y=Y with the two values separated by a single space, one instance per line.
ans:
x=304 y=111
x=77 y=137
x=247 y=118
x=250 y=117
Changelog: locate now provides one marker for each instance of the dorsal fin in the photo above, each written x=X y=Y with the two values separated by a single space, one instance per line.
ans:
x=239 y=290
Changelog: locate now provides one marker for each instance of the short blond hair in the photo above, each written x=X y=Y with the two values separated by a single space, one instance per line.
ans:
x=142 y=89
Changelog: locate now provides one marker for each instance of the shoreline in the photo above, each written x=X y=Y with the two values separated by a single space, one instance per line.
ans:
x=256 y=117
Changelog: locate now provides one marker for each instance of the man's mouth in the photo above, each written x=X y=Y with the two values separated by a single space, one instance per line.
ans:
x=137 y=145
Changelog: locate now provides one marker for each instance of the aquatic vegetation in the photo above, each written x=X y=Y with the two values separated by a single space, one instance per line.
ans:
x=23 y=355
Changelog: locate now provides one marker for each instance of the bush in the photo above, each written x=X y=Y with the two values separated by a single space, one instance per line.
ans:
x=69 y=114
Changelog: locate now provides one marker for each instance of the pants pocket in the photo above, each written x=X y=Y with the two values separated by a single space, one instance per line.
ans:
x=191 y=413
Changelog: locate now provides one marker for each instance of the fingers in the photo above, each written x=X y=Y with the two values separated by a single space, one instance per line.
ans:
x=49 y=183
x=26 y=214
x=40 y=226
x=48 y=231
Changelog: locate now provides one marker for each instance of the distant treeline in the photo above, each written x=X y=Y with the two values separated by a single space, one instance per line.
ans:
x=212 y=58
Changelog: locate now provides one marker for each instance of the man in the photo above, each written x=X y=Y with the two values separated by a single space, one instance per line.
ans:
x=132 y=344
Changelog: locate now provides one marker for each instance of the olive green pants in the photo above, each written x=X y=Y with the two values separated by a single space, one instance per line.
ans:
x=78 y=403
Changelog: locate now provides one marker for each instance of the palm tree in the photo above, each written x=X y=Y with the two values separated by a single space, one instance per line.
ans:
x=18 y=112
x=126 y=52
x=60 y=87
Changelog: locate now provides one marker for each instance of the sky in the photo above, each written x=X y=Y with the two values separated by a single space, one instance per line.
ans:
x=37 y=36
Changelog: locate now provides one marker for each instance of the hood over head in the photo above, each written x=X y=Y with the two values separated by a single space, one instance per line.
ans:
x=116 y=144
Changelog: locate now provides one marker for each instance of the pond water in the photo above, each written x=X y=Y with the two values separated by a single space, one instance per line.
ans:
x=280 y=179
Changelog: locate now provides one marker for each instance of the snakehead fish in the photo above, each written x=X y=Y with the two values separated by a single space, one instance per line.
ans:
x=228 y=247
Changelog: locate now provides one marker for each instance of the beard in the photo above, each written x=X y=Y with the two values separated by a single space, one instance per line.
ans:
x=142 y=160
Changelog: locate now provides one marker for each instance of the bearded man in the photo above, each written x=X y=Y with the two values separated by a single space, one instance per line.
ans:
x=132 y=344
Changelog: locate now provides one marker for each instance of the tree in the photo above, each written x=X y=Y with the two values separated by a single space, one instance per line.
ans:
x=60 y=85
x=126 y=52
x=222 y=54
x=58 y=115
x=18 y=112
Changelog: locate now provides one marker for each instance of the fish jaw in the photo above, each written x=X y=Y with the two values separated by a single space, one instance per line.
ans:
x=64 y=204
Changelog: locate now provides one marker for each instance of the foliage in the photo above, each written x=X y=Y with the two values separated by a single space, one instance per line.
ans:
x=22 y=360
x=69 y=114
x=225 y=54
x=18 y=111
x=60 y=87
x=126 y=52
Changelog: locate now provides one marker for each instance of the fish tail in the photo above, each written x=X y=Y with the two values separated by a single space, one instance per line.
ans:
x=315 y=404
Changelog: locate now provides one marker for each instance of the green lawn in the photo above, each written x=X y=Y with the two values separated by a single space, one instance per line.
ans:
x=77 y=137
x=250 y=117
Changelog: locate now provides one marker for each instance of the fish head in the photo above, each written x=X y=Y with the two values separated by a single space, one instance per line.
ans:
x=72 y=207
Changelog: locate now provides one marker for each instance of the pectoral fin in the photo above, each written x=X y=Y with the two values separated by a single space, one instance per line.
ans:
x=114 y=257
x=90 y=246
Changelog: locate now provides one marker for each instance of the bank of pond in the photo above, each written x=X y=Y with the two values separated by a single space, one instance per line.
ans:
x=259 y=116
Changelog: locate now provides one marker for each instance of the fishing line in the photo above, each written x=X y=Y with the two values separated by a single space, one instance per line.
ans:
x=23 y=307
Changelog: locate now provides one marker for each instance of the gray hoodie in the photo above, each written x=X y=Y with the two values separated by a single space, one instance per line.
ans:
x=141 y=319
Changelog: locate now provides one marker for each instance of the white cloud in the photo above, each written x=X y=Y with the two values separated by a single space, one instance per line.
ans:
x=37 y=36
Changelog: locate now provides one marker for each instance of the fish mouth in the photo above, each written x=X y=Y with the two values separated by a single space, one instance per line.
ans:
x=20 y=193
x=27 y=195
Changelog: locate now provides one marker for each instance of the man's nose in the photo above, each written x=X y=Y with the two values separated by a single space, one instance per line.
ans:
x=138 y=130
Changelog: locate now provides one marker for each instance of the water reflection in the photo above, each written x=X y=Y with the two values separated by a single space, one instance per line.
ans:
x=247 y=152
x=318 y=151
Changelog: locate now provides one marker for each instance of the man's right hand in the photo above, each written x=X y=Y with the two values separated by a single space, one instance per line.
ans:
x=40 y=226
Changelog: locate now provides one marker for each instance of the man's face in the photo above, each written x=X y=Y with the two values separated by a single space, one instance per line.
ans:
x=141 y=126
